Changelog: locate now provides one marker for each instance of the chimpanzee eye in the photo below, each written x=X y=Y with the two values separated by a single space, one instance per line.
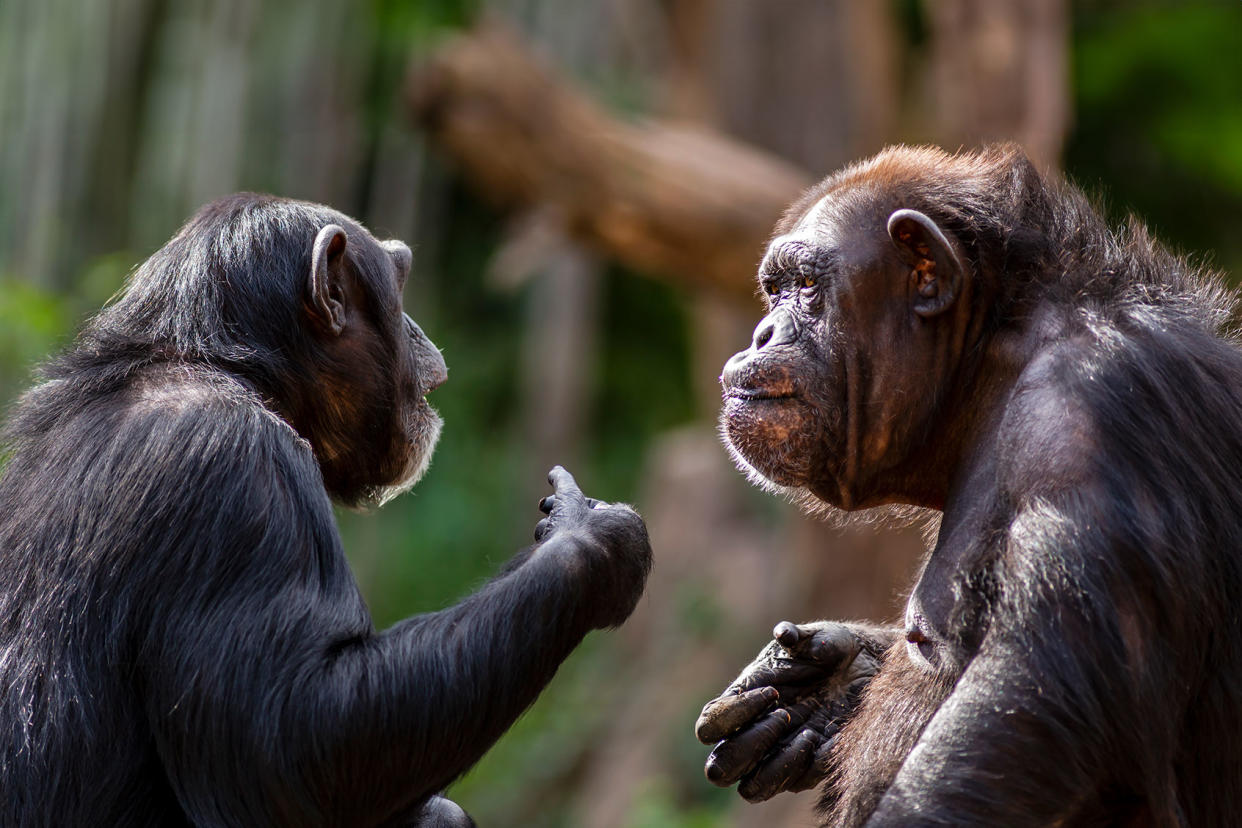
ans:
x=808 y=281
x=771 y=288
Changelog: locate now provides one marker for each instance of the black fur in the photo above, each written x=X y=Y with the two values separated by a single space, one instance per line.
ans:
x=181 y=640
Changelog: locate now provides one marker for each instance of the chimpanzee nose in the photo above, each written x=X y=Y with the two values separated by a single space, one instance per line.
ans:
x=777 y=328
x=427 y=356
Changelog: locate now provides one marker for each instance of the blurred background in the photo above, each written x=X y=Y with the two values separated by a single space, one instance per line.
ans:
x=587 y=186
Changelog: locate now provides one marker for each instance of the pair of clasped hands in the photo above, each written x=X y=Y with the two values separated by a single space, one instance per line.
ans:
x=775 y=725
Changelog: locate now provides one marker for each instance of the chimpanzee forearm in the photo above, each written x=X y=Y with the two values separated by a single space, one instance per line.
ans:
x=435 y=691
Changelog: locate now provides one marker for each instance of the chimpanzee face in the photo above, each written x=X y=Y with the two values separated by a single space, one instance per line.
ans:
x=375 y=431
x=842 y=374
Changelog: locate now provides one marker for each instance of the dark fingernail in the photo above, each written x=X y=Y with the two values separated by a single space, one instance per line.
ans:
x=771 y=693
x=715 y=773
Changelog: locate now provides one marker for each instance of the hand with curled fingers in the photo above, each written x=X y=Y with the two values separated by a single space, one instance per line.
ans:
x=607 y=544
x=775 y=725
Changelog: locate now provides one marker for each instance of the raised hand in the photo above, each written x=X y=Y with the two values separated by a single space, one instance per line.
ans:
x=609 y=540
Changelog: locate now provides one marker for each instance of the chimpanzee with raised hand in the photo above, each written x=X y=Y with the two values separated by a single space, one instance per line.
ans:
x=181 y=639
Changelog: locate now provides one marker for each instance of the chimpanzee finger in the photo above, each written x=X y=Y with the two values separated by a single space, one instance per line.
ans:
x=546 y=504
x=564 y=482
x=827 y=647
x=541 y=529
x=783 y=672
x=810 y=706
x=723 y=715
x=734 y=757
x=787 y=634
x=592 y=503
x=769 y=670
x=832 y=647
x=817 y=772
x=757 y=675
x=787 y=764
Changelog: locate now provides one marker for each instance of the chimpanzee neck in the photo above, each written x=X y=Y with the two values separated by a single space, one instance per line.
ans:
x=974 y=413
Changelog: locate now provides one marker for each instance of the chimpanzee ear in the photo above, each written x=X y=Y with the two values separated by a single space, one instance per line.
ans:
x=936 y=270
x=325 y=289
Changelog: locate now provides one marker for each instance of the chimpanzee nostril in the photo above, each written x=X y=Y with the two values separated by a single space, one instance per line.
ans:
x=763 y=333
x=777 y=328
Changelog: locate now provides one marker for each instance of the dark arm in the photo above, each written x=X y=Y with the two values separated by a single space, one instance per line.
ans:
x=463 y=675
x=1048 y=716
x=266 y=679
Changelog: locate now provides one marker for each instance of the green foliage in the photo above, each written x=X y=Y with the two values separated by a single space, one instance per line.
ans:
x=659 y=808
x=643 y=384
x=396 y=30
x=1158 y=112
x=31 y=322
x=36 y=321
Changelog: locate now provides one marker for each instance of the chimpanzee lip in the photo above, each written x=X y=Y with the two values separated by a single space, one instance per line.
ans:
x=756 y=394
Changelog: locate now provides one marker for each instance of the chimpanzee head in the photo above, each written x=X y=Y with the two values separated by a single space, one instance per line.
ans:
x=879 y=286
x=304 y=304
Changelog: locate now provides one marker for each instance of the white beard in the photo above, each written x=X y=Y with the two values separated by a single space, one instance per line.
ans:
x=428 y=430
x=894 y=516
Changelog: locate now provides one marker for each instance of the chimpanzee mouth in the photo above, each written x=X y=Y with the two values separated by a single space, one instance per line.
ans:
x=759 y=394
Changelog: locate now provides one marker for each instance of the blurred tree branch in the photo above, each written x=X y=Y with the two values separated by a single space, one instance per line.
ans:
x=677 y=201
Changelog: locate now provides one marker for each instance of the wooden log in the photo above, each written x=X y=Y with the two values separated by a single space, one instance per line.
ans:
x=672 y=200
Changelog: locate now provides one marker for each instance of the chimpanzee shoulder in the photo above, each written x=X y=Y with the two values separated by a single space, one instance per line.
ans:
x=126 y=456
x=1047 y=439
